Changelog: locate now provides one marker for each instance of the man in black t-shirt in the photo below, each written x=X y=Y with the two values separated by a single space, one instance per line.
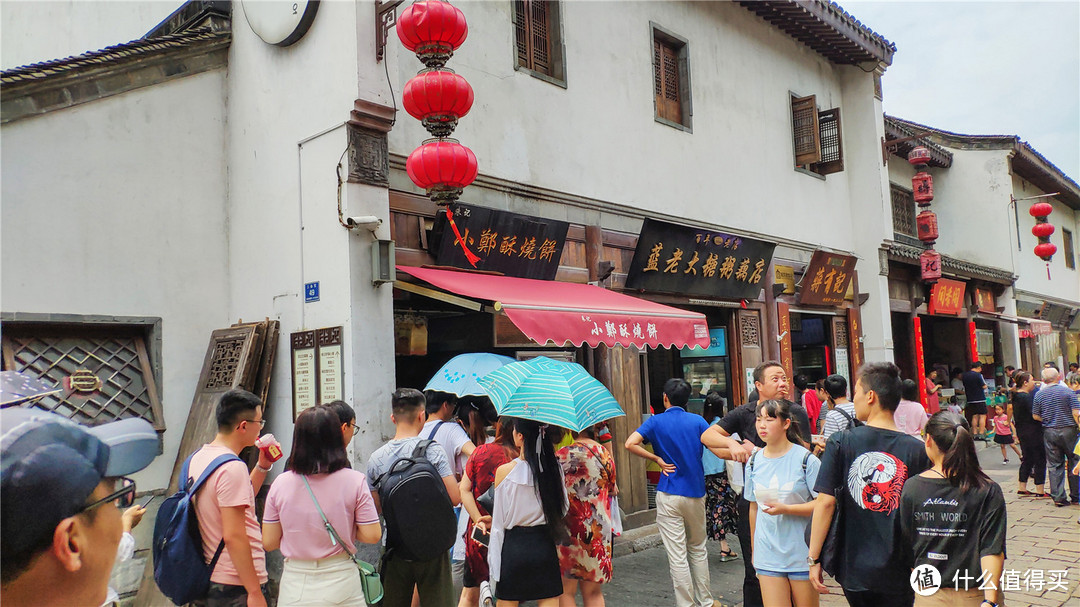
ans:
x=867 y=467
x=975 y=390
x=770 y=382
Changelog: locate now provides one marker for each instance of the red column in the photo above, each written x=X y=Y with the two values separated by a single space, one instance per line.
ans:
x=920 y=363
x=972 y=342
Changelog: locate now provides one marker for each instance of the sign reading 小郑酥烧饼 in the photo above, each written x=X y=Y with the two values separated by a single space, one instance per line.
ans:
x=510 y=243
x=679 y=259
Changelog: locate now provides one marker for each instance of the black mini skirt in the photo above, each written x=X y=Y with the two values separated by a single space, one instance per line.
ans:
x=530 y=566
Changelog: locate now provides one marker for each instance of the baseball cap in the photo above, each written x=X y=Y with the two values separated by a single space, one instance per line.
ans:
x=49 y=466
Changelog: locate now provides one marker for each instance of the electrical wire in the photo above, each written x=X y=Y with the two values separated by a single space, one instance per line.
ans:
x=386 y=70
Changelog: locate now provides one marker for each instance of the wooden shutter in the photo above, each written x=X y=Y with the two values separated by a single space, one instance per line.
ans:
x=832 y=151
x=532 y=35
x=804 y=121
x=666 y=81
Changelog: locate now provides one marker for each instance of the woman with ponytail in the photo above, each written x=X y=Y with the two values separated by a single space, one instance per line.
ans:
x=780 y=488
x=953 y=517
x=530 y=503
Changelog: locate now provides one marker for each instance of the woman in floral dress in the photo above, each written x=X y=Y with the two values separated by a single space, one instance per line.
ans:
x=721 y=509
x=585 y=555
x=479 y=476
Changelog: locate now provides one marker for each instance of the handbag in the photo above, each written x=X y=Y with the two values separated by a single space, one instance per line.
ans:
x=370 y=581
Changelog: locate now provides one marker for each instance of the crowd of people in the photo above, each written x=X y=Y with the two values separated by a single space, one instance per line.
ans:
x=867 y=489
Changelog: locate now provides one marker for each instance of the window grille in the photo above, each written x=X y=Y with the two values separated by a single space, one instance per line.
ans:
x=116 y=355
x=903 y=212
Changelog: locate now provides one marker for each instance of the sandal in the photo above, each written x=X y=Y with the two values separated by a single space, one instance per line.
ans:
x=1022 y=492
x=727 y=555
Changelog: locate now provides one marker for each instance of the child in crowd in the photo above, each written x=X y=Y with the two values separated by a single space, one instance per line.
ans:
x=1003 y=432
x=780 y=488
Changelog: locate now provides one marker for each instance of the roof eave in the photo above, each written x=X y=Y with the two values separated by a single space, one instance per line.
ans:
x=826 y=28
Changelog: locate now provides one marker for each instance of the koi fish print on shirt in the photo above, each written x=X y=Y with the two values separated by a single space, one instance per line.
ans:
x=875 y=481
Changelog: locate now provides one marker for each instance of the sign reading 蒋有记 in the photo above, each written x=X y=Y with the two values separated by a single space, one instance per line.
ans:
x=827 y=279
x=677 y=259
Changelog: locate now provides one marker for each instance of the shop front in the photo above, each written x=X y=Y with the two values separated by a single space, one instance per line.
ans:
x=1050 y=333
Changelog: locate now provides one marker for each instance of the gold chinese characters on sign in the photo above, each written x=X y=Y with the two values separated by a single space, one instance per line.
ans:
x=827 y=278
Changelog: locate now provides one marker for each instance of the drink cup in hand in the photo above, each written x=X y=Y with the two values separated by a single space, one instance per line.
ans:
x=270 y=446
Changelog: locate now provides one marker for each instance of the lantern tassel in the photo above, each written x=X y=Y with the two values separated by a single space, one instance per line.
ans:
x=469 y=255
x=1048 y=270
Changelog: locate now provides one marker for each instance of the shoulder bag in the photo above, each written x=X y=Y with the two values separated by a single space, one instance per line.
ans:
x=369 y=578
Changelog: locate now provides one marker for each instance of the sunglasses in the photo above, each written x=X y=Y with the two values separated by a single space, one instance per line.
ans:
x=124 y=496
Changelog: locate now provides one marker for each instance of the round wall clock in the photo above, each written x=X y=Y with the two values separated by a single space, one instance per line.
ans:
x=280 y=22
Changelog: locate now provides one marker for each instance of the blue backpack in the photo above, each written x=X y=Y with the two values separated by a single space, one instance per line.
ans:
x=180 y=570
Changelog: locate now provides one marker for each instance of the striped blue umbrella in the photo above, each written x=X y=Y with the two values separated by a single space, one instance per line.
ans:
x=552 y=392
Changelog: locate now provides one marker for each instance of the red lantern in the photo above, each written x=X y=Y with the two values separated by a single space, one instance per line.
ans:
x=927 y=227
x=1041 y=209
x=1042 y=230
x=919 y=156
x=438 y=99
x=433 y=29
x=1045 y=250
x=443 y=168
x=923 y=185
x=930 y=262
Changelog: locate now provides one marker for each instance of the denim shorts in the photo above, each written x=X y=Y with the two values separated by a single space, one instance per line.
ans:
x=791 y=575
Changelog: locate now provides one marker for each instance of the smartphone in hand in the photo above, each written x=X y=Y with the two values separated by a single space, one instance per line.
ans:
x=148 y=500
x=481 y=538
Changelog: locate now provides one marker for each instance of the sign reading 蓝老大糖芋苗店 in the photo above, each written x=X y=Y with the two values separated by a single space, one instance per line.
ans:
x=678 y=259
x=510 y=243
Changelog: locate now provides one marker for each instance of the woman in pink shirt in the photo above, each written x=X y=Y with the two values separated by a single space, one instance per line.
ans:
x=318 y=571
x=932 y=388
x=910 y=417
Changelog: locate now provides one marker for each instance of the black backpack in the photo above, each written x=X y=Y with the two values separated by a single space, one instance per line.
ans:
x=853 y=422
x=420 y=520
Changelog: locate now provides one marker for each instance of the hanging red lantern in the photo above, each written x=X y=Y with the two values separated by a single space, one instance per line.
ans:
x=927 y=226
x=1042 y=230
x=1041 y=209
x=1045 y=250
x=930 y=263
x=433 y=29
x=923 y=186
x=443 y=168
x=437 y=99
x=919 y=156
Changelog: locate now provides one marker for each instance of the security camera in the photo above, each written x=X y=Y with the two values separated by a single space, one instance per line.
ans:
x=369 y=222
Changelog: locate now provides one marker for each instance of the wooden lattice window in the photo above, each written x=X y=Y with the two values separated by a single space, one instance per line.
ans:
x=117 y=355
x=671 y=79
x=903 y=211
x=817 y=136
x=536 y=37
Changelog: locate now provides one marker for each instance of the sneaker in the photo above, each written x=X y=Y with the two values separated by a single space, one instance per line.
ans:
x=1005 y=461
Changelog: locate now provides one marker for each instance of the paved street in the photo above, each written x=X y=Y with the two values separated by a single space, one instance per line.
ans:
x=1041 y=538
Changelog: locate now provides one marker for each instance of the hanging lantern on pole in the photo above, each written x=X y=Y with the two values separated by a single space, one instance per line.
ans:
x=437 y=97
x=922 y=187
x=1042 y=230
x=432 y=29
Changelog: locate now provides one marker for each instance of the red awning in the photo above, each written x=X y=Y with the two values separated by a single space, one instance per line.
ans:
x=562 y=312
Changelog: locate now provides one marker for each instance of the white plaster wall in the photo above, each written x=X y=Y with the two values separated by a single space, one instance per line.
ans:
x=1063 y=283
x=117 y=207
x=598 y=137
x=971 y=200
x=36 y=31
x=286 y=110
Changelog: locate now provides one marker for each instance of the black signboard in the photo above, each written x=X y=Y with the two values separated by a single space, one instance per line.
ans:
x=678 y=259
x=514 y=244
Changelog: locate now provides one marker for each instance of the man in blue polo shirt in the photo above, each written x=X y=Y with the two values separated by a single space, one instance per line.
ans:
x=675 y=436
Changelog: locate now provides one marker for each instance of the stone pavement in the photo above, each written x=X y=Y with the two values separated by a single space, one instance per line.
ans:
x=1041 y=538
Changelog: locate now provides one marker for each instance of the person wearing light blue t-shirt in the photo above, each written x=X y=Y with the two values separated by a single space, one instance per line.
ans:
x=779 y=486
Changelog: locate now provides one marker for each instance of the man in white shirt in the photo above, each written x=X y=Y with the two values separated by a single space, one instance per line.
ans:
x=441 y=429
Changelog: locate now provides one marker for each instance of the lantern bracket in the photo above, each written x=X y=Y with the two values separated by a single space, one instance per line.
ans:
x=385 y=18
x=889 y=146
